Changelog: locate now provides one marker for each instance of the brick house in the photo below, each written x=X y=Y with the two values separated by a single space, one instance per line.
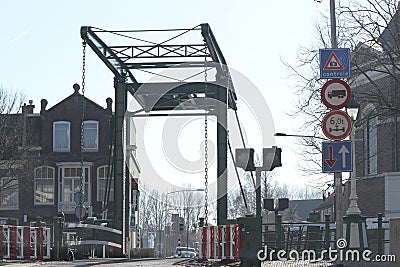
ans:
x=41 y=162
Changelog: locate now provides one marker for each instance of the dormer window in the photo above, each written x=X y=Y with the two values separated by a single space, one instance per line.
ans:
x=91 y=136
x=61 y=136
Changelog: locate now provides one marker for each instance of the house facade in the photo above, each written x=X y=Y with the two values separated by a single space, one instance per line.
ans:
x=44 y=163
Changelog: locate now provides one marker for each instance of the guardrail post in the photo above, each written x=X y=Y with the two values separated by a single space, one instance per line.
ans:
x=380 y=234
x=57 y=237
x=279 y=232
x=327 y=231
x=1 y=242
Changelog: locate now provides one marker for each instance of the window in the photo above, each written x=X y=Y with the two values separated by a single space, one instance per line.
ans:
x=90 y=136
x=371 y=146
x=44 y=185
x=69 y=184
x=102 y=174
x=61 y=136
x=8 y=193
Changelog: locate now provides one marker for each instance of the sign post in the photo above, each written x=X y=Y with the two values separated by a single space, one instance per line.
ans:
x=335 y=64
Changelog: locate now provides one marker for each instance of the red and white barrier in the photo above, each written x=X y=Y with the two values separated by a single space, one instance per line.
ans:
x=220 y=242
x=24 y=242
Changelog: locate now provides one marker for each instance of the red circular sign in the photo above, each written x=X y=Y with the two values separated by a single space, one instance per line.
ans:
x=335 y=94
x=336 y=125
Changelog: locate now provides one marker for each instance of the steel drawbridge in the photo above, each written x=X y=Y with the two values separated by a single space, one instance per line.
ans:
x=128 y=56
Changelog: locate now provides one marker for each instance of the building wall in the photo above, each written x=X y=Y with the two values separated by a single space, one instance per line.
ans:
x=392 y=197
x=69 y=109
x=369 y=97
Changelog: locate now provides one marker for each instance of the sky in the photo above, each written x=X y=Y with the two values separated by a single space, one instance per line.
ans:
x=41 y=48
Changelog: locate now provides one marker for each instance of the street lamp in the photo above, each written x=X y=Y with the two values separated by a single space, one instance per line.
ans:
x=186 y=190
x=299 y=135
x=352 y=109
x=353 y=221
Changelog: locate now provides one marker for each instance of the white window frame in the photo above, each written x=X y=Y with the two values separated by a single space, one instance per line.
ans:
x=62 y=149
x=3 y=193
x=101 y=179
x=91 y=149
x=69 y=206
x=36 y=179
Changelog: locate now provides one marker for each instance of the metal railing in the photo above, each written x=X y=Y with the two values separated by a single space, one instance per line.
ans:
x=24 y=242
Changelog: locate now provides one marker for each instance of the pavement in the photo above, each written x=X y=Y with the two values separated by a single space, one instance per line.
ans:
x=327 y=264
x=188 y=263
x=296 y=264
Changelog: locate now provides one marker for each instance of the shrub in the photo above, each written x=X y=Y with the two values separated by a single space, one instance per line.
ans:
x=142 y=253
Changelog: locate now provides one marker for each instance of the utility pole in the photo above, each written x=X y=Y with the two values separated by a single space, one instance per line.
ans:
x=333 y=24
x=337 y=175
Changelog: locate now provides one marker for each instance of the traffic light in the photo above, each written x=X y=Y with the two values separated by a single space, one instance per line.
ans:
x=271 y=158
x=283 y=203
x=201 y=222
x=245 y=158
x=181 y=227
x=268 y=204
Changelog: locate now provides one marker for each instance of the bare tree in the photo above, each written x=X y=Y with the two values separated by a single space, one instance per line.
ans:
x=363 y=26
x=270 y=189
x=156 y=210
x=14 y=152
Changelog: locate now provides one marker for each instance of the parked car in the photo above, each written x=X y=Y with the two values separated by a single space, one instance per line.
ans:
x=185 y=252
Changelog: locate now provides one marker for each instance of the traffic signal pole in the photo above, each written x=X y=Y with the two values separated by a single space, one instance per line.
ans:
x=258 y=241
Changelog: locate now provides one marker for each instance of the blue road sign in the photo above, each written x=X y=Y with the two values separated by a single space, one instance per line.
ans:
x=337 y=156
x=334 y=63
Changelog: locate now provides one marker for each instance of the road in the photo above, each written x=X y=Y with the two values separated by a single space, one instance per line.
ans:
x=112 y=263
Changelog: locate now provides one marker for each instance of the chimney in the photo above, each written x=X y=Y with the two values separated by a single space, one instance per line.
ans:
x=109 y=106
x=43 y=104
x=28 y=109
x=76 y=88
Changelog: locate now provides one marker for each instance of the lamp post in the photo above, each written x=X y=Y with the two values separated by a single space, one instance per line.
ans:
x=355 y=226
x=166 y=201
x=352 y=109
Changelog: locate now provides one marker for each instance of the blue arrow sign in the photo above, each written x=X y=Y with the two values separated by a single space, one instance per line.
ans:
x=337 y=156
x=334 y=63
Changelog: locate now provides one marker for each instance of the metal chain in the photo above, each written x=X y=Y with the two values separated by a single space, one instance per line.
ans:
x=205 y=144
x=81 y=186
